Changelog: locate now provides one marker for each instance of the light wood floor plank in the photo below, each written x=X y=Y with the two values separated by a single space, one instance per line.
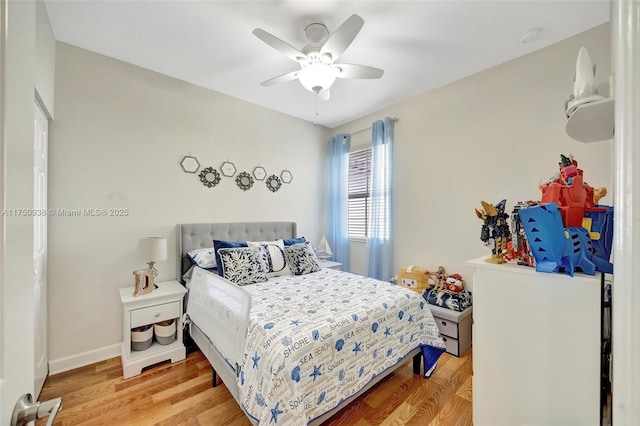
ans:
x=181 y=394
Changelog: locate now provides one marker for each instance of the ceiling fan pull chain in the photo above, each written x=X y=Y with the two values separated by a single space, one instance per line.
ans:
x=315 y=108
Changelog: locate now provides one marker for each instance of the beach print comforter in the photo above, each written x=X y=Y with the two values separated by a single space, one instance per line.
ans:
x=315 y=340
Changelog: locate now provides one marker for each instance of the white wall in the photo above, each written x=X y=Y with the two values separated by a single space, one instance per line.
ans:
x=46 y=59
x=489 y=136
x=117 y=140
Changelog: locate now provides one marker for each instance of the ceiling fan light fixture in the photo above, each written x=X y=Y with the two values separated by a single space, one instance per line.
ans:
x=317 y=77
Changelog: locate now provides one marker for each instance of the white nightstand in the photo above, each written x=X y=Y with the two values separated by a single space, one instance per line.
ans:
x=455 y=328
x=330 y=264
x=163 y=303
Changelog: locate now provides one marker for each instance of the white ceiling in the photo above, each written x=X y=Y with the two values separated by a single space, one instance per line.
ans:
x=421 y=45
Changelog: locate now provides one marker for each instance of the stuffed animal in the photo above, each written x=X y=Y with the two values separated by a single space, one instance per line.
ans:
x=454 y=283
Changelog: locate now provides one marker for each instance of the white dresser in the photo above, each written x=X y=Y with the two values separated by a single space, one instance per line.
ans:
x=536 y=346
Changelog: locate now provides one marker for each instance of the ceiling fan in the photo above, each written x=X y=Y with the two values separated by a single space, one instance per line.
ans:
x=318 y=70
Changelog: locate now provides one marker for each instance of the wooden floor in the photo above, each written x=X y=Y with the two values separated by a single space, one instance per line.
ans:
x=181 y=394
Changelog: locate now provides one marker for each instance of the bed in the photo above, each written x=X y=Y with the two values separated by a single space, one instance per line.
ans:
x=298 y=348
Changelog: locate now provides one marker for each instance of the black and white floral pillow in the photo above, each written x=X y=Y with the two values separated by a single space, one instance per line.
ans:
x=243 y=265
x=301 y=258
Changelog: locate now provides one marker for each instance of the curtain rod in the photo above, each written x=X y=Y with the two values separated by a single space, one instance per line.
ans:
x=369 y=128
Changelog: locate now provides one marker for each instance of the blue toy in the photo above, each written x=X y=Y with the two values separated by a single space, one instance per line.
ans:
x=557 y=248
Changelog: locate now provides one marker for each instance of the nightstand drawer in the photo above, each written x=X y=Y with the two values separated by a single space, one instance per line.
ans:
x=447 y=327
x=452 y=345
x=154 y=314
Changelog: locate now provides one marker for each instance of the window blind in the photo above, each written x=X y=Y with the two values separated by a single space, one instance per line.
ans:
x=359 y=176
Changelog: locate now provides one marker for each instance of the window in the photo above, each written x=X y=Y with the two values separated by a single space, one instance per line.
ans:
x=359 y=176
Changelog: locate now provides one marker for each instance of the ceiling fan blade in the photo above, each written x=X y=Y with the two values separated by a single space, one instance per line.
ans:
x=281 y=46
x=281 y=78
x=324 y=95
x=342 y=37
x=357 y=71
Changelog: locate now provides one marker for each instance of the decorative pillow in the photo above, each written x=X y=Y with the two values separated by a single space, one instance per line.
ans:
x=220 y=244
x=302 y=259
x=292 y=241
x=274 y=257
x=244 y=265
x=203 y=257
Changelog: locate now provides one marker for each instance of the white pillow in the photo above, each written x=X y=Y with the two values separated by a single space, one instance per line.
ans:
x=274 y=257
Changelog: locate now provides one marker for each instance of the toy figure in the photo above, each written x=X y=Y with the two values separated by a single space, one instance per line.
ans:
x=439 y=279
x=573 y=196
x=496 y=228
x=518 y=248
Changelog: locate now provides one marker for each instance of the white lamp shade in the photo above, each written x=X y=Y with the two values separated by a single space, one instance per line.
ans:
x=317 y=77
x=153 y=248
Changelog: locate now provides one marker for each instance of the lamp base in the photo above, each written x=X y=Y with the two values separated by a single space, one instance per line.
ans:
x=154 y=270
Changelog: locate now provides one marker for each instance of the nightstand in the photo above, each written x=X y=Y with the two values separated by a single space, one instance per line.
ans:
x=330 y=264
x=455 y=328
x=163 y=303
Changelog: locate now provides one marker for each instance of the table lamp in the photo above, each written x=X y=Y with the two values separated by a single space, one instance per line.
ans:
x=154 y=249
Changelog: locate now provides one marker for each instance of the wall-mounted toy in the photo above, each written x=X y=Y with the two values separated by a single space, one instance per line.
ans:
x=494 y=227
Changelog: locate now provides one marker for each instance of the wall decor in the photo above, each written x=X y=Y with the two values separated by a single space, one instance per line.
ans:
x=209 y=177
x=244 y=181
x=273 y=183
x=228 y=169
x=286 y=176
x=190 y=164
x=259 y=173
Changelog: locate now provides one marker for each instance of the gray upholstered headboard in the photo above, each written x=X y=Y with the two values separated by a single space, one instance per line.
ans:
x=200 y=235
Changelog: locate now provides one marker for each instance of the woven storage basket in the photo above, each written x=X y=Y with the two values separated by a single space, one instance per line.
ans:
x=141 y=337
x=165 y=331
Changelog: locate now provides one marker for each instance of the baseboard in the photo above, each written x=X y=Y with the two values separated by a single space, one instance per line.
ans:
x=67 y=363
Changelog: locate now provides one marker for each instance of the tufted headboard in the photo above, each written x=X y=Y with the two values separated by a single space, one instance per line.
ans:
x=200 y=235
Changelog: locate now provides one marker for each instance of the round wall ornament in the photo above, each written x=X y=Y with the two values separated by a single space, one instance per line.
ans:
x=209 y=177
x=273 y=183
x=244 y=181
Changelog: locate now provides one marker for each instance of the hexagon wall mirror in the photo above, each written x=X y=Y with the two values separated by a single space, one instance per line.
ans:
x=228 y=169
x=190 y=164
x=286 y=176
x=259 y=173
